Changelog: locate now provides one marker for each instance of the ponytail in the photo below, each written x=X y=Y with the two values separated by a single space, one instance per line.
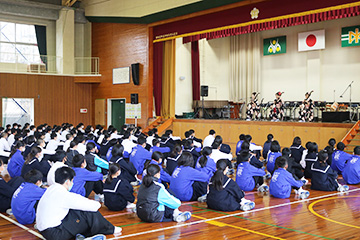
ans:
x=34 y=151
x=18 y=145
x=218 y=178
x=151 y=171
x=113 y=168
x=205 y=153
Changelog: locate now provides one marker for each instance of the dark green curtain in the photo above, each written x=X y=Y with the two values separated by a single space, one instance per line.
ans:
x=41 y=41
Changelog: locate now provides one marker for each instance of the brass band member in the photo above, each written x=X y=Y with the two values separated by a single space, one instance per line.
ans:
x=253 y=108
x=277 y=109
x=306 y=113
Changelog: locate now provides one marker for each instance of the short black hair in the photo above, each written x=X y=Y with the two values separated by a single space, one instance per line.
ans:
x=212 y=132
x=357 y=150
x=63 y=174
x=270 y=137
x=117 y=150
x=323 y=156
x=187 y=134
x=280 y=162
x=141 y=140
x=286 y=152
x=243 y=156
x=33 y=176
x=186 y=159
x=77 y=160
x=340 y=146
x=275 y=146
x=58 y=156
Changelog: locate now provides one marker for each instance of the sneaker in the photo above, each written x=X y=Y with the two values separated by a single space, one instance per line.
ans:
x=304 y=180
x=131 y=205
x=230 y=172
x=247 y=206
x=99 y=197
x=303 y=194
x=35 y=226
x=263 y=188
x=267 y=175
x=95 y=237
x=341 y=188
x=182 y=217
x=136 y=183
x=9 y=212
x=202 y=198
x=117 y=230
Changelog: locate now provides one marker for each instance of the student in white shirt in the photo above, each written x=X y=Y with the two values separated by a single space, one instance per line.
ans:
x=69 y=138
x=217 y=154
x=4 y=146
x=80 y=139
x=150 y=138
x=127 y=143
x=57 y=161
x=11 y=138
x=208 y=141
x=62 y=214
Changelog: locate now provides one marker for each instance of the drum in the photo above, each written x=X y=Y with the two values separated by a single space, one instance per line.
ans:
x=334 y=106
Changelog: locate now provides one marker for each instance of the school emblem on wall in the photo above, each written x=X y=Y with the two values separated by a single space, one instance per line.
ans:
x=254 y=13
x=350 y=36
x=275 y=45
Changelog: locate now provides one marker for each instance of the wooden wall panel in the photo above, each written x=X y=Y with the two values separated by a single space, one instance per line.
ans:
x=283 y=132
x=120 y=45
x=57 y=99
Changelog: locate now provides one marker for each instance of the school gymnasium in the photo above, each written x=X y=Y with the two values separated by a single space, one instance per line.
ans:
x=252 y=67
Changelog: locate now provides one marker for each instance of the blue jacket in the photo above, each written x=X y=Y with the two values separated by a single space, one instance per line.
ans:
x=159 y=149
x=271 y=158
x=238 y=146
x=182 y=180
x=138 y=157
x=339 y=158
x=6 y=193
x=15 y=164
x=281 y=183
x=164 y=176
x=351 y=172
x=82 y=176
x=209 y=169
x=24 y=200
x=244 y=175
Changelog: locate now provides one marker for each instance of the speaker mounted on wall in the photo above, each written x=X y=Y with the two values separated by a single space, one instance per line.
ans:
x=204 y=91
x=135 y=72
x=134 y=98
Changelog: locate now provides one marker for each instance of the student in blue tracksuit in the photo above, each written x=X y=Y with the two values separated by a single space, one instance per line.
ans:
x=245 y=146
x=157 y=158
x=311 y=158
x=155 y=203
x=7 y=189
x=83 y=175
x=156 y=147
x=205 y=163
x=339 y=158
x=282 y=181
x=128 y=171
x=239 y=143
x=267 y=144
x=93 y=161
x=323 y=176
x=187 y=183
x=248 y=176
x=26 y=197
x=296 y=149
x=33 y=162
x=171 y=161
x=16 y=159
x=272 y=155
x=224 y=194
x=139 y=155
x=118 y=192
x=351 y=171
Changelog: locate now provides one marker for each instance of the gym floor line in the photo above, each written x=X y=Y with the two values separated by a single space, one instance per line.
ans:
x=230 y=215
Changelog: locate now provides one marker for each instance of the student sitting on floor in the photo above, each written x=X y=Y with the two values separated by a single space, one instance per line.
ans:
x=62 y=215
x=16 y=159
x=224 y=194
x=157 y=158
x=205 y=163
x=118 y=192
x=282 y=181
x=267 y=145
x=189 y=147
x=156 y=147
x=239 y=143
x=33 y=162
x=171 y=161
x=339 y=158
x=247 y=176
x=293 y=167
x=155 y=203
x=296 y=149
x=245 y=146
x=187 y=183
x=311 y=157
x=351 y=172
x=208 y=141
x=139 y=155
x=26 y=197
x=324 y=177
x=93 y=161
x=58 y=160
x=128 y=171
x=7 y=190
x=83 y=176
x=272 y=155
x=71 y=152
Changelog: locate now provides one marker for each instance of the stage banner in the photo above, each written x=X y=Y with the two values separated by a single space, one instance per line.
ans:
x=350 y=36
x=313 y=40
x=275 y=45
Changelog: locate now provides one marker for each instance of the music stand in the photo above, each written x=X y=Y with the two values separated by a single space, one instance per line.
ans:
x=349 y=87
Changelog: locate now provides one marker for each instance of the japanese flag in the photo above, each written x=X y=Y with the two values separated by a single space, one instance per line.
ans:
x=313 y=40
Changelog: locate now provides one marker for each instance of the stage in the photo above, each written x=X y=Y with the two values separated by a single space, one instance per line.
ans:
x=284 y=132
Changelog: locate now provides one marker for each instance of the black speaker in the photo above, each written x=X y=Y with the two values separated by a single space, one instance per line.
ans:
x=134 y=98
x=204 y=91
x=135 y=67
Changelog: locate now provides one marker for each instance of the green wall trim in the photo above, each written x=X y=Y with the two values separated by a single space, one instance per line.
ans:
x=164 y=15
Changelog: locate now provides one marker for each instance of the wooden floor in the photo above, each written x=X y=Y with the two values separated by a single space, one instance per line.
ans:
x=324 y=215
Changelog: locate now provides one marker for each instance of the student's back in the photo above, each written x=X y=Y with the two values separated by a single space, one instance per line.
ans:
x=117 y=194
x=323 y=177
x=15 y=164
x=296 y=152
x=351 y=172
x=128 y=171
x=271 y=157
x=339 y=159
x=281 y=183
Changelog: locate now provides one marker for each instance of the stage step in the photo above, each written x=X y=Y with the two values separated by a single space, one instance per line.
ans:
x=350 y=137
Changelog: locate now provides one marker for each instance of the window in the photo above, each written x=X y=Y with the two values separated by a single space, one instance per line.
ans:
x=18 y=43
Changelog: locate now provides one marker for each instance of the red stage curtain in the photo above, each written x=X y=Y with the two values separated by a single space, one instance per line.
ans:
x=293 y=21
x=195 y=69
x=158 y=69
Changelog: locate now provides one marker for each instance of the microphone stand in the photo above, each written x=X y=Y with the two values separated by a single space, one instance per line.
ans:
x=348 y=87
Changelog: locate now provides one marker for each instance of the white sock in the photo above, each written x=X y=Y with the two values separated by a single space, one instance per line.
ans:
x=176 y=213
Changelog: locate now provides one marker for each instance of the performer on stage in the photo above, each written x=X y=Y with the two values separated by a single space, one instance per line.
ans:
x=253 y=108
x=306 y=113
x=277 y=109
